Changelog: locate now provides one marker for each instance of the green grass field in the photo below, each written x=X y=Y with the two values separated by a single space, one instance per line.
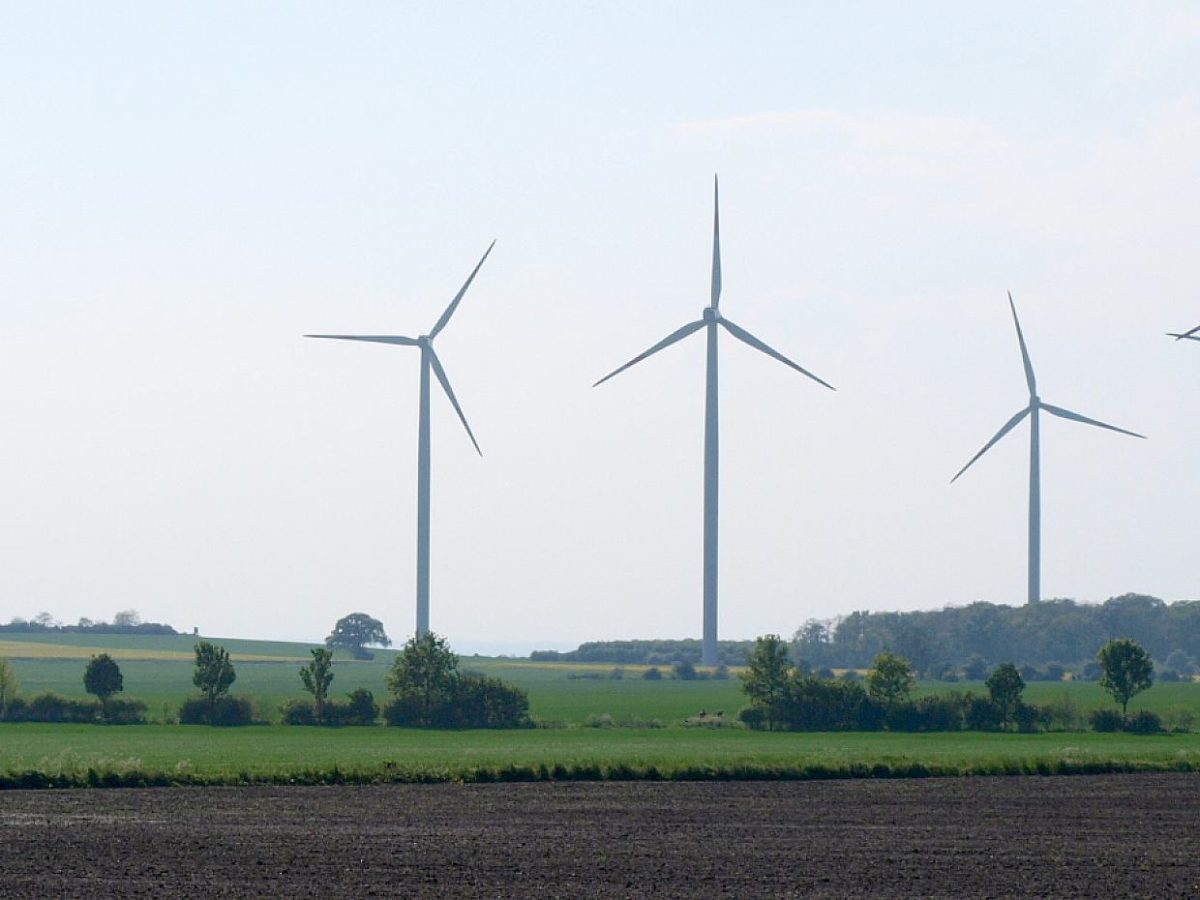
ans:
x=78 y=754
x=566 y=697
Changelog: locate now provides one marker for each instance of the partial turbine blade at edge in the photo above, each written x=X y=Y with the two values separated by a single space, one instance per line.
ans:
x=1190 y=335
x=445 y=382
x=445 y=317
x=1076 y=417
x=716 y=266
x=1029 y=378
x=678 y=335
x=1008 y=426
x=746 y=337
x=370 y=338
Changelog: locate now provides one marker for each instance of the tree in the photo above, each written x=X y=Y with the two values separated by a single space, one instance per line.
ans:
x=127 y=618
x=8 y=685
x=214 y=672
x=765 y=680
x=102 y=678
x=354 y=632
x=1005 y=685
x=1126 y=670
x=890 y=680
x=317 y=676
x=424 y=674
x=975 y=669
x=1181 y=663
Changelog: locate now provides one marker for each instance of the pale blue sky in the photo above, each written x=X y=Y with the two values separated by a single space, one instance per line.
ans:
x=188 y=188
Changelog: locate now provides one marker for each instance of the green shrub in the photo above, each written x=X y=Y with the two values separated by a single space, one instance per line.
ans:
x=1179 y=719
x=684 y=671
x=654 y=673
x=754 y=717
x=1028 y=718
x=981 y=714
x=360 y=709
x=53 y=708
x=1144 y=721
x=362 y=706
x=484 y=702
x=126 y=712
x=226 y=710
x=1105 y=720
x=298 y=712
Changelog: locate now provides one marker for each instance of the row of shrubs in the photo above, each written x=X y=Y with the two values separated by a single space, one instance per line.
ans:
x=53 y=708
x=478 y=702
x=816 y=704
x=471 y=701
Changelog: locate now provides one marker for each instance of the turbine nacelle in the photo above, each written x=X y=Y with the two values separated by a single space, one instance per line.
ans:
x=711 y=314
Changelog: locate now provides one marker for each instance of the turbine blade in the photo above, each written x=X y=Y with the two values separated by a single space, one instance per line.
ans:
x=678 y=335
x=1029 y=379
x=1076 y=417
x=1190 y=335
x=371 y=338
x=441 y=376
x=441 y=323
x=716 y=267
x=1008 y=426
x=746 y=337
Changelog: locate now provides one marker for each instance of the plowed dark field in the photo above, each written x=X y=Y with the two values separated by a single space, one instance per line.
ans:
x=1118 y=836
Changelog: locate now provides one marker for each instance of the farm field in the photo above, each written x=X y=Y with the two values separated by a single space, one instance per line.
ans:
x=644 y=734
x=158 y=670
x=977 y=837
x=81 y=754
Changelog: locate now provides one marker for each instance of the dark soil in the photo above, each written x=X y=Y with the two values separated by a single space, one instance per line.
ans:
x=1104 y=836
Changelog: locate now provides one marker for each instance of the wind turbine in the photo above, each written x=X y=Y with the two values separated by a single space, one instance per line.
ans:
x=1193 y=335
x=710 y=319
x=429 y=360
x=1035 y=484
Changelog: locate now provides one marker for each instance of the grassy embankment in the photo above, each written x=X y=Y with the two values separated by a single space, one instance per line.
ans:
x=158 y=670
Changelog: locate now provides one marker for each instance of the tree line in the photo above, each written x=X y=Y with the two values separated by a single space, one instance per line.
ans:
x=1058 y=633
x=127 y=621
x=785 y=696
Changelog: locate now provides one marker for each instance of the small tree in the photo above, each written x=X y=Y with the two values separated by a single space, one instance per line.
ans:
x=354 y=632
x=1005 y=685
x=102 y=678
x=890 y=680
x=127 y=618
x=214 y=672
x=424 y=674
x=1126 y=670
x=317 y=676
x=8 y=685
x=765 y=680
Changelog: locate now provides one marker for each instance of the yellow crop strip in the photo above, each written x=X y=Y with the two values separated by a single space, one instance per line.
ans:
x=37 y=650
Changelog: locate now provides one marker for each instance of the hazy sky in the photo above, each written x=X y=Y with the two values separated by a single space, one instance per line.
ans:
x=189 y=188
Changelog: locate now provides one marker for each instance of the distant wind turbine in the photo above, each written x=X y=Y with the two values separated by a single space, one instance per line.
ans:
x=429 y=360
x=710 y=320
x=1193 y=335
x=1035 y=500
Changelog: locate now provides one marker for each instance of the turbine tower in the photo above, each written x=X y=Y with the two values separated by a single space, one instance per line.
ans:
x=1035 y=479
x=429 y=361
x=709 y=320
x=1193 y=335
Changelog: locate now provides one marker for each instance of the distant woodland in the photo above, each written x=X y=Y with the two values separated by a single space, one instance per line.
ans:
x=1054 y=636
x=125 y=622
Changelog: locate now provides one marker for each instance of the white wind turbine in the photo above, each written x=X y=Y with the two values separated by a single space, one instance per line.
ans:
x=710 y=320
x=429 y=361
x=1035 y=479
